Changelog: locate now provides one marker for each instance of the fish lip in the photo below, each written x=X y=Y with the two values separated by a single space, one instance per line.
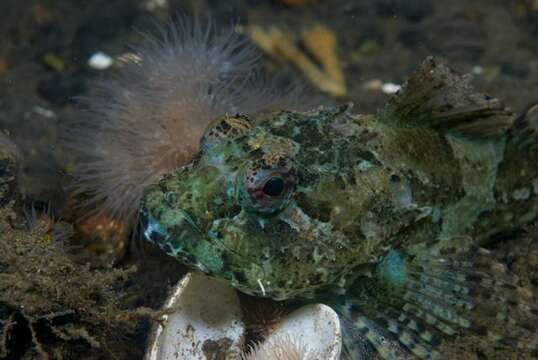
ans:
x=151 y=229
x=159 y=234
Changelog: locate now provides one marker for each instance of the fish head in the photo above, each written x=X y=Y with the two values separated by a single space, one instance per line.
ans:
x=256 y=209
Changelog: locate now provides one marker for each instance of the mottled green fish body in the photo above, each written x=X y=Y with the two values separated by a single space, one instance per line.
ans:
x=384 y=211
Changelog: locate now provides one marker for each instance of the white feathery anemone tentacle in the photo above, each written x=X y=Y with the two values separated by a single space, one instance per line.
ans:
x=280 y=348
x=149 y=119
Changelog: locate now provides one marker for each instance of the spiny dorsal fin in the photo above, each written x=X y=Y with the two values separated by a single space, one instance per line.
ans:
x=437 y=97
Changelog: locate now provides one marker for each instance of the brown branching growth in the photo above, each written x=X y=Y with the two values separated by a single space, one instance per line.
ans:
x=7 y=327
x=59 y=305
x=321 y=45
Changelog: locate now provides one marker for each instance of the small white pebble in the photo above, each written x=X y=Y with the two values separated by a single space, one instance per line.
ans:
x=126 y=58
x=100 y=61
x=152 y=5
x=44 y=112
x=390 y=88
x=374 y=84
x=477 y=70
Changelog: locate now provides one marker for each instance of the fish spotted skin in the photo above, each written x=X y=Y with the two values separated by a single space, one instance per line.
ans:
x=382 y=216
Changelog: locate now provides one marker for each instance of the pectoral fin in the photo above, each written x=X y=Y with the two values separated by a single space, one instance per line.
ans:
x=412 y=306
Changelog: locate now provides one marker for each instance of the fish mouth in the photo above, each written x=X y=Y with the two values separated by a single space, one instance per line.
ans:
x=151 y=229
x=175 y=238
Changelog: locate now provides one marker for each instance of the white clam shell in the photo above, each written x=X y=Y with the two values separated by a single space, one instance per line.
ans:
x=208 y=315
x=315 y=327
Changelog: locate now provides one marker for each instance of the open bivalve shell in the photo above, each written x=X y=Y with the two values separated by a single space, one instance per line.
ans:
x=207 y=322
x=311 y=332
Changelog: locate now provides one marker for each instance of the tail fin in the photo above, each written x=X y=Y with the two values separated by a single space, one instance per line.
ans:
x=410 y=307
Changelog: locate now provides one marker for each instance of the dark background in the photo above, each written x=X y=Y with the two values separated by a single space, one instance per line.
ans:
x=383 y=39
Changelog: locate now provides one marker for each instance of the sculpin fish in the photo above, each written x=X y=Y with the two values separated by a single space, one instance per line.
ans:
x=380 y=216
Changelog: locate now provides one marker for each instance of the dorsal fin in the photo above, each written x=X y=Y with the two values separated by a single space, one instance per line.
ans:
x=437 y=97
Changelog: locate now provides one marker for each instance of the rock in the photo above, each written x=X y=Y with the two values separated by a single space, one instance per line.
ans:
x=100 y=61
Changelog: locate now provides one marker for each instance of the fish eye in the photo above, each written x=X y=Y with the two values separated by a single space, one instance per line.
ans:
x=274 y=186
x=268 y=187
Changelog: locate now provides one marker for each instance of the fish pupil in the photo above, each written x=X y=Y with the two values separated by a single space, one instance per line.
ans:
x=274 y=186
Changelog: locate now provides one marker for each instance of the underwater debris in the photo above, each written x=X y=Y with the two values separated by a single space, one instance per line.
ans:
x=125 y=58
x=44 y=223
x=377 y=85
x=44 y=112
x=390 y=88
x=320 y=43
x=62 y=305
x=53 y=62
x=51 y=306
